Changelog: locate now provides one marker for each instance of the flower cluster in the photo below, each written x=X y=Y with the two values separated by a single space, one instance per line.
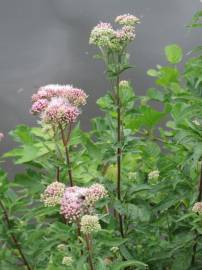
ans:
x=104 y=36
x=53 y=194
x=114 y=249
x=78 y=201
x=60 y=111
x=196 y=122
x=61 y=247
x=1 y=136
x=58 y=104
x=197 y=208
x=153 y=174
x=72 y=203
x=67 y=261
x=94 y=193
x=124 y=84
x=90 y=224
x=127 y=19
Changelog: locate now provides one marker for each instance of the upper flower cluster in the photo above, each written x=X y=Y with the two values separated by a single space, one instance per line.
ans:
x=58 y=104
x=127 y=19
x=103 y=35
x=78 y=201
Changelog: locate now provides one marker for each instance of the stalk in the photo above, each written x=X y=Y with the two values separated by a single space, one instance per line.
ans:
x=66 y=148
x=196 y=233
x=119 y=151
x=14 y=239
x=58 y=174
x=90 y=251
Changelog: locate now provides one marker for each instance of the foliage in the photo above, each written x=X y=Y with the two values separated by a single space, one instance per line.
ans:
x=147 y=219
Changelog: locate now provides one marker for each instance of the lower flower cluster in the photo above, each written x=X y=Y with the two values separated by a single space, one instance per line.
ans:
x=75 y=202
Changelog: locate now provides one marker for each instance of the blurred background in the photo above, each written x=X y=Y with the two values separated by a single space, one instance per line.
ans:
x=46 y=41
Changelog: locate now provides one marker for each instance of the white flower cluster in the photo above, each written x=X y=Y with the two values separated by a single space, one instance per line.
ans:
x=197 y=208
x=90 y=224
x=153 y=174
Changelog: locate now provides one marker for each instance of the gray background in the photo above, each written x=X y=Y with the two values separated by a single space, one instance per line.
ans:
x=46 y=41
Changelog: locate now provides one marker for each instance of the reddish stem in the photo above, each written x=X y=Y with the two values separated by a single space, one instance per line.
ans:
x=196 y=233
x=66 y=148
x=14 y=239
x=119 y=152
x=89 y=249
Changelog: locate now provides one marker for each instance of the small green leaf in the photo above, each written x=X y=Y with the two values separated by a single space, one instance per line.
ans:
x=173 y=53
x=123 y=265
x=152 y=73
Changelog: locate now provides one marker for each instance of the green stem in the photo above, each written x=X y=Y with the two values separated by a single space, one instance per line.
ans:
x=14 y=239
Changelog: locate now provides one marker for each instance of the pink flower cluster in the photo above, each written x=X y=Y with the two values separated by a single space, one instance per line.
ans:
x=127 y=19
x=104 y=36
x=53 y=194
x=78 y=201
x=1 y=136
x=60 y=111
x=58 y=104
x=126 y=33
x=95 y=193
x=74 y=95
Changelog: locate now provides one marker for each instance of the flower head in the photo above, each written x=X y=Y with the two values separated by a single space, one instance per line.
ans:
x=127 y=19
x=124 y=83
x=1 y=136
x=50 y=90
x=196 y=122
x=125 y=34
x=72 y=203
x=153 y=174
x=39 y=106
x=114 y=249
x=197 y=208
x=75 y=96
x=94 y=193
x=48 y=94
x=59 y=111
x=53 y=194
x=102 y=34
x=61 y=247
x=67 y=261
x=78 y=201
x=90 y=224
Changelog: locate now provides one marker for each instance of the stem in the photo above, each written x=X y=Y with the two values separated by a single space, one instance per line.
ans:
x=89 y=249
x=66 y=148
x=196 y=233
x=119 y=152
x=58 y=174
x=169 y=231
x=14 y=239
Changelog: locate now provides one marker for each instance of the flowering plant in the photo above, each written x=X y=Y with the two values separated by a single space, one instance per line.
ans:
x=124 y=195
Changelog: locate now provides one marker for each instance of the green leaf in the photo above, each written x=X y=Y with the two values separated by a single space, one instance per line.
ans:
x=155 y=94
x=152 y=73
x=123 y=265
x=173 y=53
x=147 y=117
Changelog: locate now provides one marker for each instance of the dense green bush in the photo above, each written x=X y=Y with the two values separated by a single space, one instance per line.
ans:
x=148 y=161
